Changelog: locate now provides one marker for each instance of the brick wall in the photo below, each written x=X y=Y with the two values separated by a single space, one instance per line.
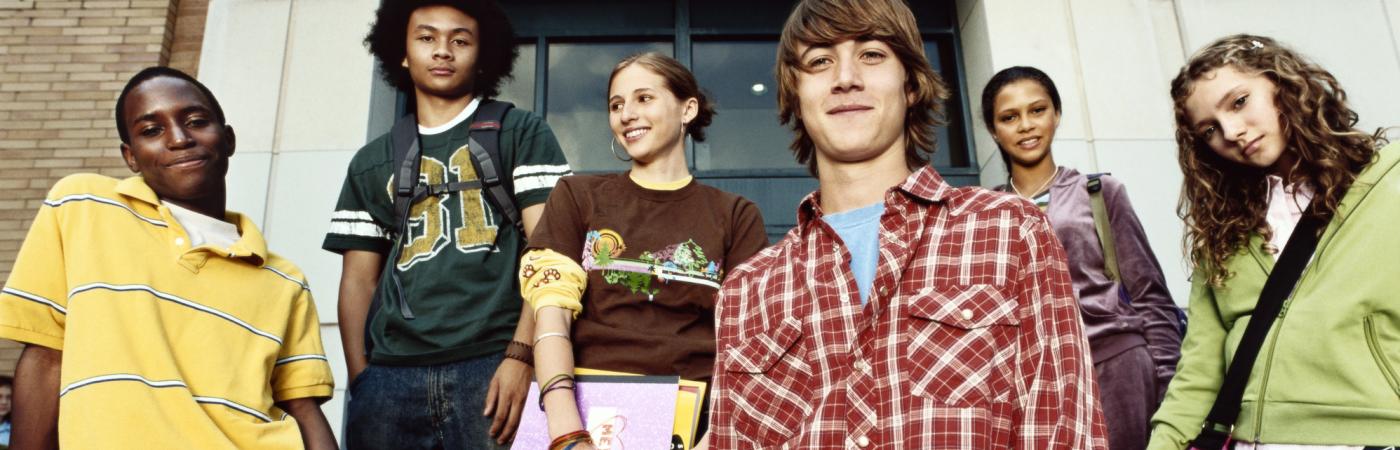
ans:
x=189 y=35
x=62 y=65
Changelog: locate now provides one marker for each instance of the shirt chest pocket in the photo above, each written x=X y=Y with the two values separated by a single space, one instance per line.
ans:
x=961 y=344
x=769 y=370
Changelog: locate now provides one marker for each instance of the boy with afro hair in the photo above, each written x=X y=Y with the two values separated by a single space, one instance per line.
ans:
x=431 y=321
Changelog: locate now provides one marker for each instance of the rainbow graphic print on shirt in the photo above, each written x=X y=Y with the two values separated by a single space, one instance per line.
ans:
x=684 y=262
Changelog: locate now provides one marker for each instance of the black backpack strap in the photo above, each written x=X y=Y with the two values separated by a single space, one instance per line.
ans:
x=1215 y=432
x=407 y=158
x=484 y=143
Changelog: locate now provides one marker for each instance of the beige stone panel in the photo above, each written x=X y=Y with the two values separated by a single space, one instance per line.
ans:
x=1123 y=85
x=248 y=173
x=326 y=96
x=305 y=186
x=241 y=62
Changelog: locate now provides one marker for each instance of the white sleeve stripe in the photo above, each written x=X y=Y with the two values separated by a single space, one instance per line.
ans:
x=527 y=184
x=351 y=215
x=358 y=229
x=296 y=358
x=36 y=299
x=524 y=171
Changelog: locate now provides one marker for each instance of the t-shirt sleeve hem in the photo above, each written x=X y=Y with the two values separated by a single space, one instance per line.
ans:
x=322 y=391
x=31 y=337
x=533 y=197
x=341 y=244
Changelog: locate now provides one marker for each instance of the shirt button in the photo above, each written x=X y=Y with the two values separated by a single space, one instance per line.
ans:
x=862 y=366
x=863 y=441
x=884 y=291
x=180 y=241
x=967 y=314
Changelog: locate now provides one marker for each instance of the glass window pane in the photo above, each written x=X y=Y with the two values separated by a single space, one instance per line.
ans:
x=951 y=149
x=577 y=100
x=520 y=89
x=745 y=133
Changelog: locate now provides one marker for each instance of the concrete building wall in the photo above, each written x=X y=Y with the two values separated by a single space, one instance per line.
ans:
x=295 y=82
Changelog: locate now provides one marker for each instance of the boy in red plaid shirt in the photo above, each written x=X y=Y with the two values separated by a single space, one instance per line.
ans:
x=901 y=312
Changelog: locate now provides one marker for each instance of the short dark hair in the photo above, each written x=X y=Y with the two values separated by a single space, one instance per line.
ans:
x=388 y=42
x=1001 y=80
x=680 y=81
x=161 y=71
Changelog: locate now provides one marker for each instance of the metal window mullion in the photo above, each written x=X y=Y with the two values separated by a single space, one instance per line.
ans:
x=683 y=54
x=541 y=74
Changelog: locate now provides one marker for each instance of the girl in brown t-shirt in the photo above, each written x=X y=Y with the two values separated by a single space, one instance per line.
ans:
x=623 y=268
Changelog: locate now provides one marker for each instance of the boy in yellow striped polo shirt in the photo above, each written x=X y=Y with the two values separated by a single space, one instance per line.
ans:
x=152 y=318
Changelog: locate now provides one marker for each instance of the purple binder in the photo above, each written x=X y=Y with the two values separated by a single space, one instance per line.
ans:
x=621 y=412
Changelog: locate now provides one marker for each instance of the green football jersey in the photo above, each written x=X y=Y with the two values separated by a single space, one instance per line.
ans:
x=458 y=257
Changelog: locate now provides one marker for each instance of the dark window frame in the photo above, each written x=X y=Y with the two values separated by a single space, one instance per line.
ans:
x=963 y=170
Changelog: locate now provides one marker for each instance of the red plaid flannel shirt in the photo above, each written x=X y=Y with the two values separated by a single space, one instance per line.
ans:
x=971 y=338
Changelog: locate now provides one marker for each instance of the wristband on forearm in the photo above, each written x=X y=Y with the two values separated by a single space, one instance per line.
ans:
x=521 y=351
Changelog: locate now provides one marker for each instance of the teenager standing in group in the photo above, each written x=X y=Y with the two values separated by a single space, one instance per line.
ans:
x=151 y=316
x=1129 y=316
x=435 y=341
x=624 y=267
x=1268 y=145
x=901 y=312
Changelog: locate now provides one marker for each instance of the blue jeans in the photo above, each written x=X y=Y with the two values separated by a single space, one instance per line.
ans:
x=421 y=407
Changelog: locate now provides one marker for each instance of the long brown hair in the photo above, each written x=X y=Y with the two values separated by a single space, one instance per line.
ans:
x=1223 y=202
x=817 y=22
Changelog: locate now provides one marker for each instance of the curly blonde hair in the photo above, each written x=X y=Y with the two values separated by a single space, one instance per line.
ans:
x=1222 y=202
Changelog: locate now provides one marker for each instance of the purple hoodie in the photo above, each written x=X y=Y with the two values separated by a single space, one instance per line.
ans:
x=1113 y=324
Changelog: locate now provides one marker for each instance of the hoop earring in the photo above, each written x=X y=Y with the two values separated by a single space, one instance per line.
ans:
x=613 y=147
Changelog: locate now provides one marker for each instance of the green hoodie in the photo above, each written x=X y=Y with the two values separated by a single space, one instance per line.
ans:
x=1329 y=371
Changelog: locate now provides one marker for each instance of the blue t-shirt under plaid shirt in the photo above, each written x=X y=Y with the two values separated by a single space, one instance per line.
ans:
x=860 y=230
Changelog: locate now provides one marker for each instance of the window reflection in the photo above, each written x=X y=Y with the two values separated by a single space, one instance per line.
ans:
x=520 y=89
x=745 y=133
x=577 y=99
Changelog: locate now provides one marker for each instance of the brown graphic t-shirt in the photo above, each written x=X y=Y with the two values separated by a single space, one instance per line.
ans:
x=655 y=260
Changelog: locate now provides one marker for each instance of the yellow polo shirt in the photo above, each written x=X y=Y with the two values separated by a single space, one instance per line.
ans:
x=164 y=345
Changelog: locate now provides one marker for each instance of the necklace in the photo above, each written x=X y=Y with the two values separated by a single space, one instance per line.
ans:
x=1042 y=185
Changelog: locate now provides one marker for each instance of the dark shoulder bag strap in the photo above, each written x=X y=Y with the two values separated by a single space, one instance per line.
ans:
x=1215 y=432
